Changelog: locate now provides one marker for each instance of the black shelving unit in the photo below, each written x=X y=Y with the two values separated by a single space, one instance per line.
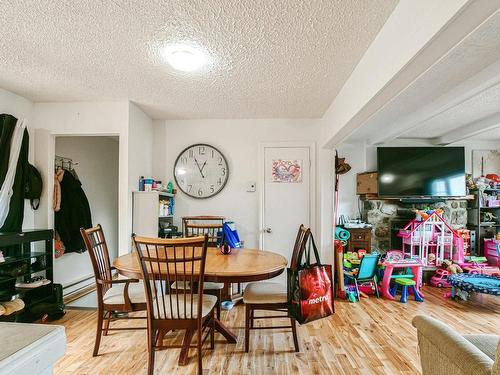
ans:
x=476 y=210
x=27 y=254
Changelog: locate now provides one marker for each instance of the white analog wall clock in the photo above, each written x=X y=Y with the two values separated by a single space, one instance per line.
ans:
x=201 y=171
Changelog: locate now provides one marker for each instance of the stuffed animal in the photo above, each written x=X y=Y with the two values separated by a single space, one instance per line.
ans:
x=451 y=267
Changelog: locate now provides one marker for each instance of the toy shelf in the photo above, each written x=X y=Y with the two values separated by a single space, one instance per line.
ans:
x=475 y=218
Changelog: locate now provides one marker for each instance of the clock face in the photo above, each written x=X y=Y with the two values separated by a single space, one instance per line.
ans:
x=201 y=171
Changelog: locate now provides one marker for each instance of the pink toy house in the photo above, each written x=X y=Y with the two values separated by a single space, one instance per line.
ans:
x=432 y=240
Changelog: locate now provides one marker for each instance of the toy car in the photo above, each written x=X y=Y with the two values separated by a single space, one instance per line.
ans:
x=440 y=279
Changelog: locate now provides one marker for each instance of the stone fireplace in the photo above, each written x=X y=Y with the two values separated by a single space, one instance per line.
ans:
x=388 y=216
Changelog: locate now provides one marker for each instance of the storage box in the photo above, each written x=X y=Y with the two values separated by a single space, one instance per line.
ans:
x=367 y=183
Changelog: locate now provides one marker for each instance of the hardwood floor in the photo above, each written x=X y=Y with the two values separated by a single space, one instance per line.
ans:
x=374 y=336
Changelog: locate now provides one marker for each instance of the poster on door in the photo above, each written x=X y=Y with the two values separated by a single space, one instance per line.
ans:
x=286 y=171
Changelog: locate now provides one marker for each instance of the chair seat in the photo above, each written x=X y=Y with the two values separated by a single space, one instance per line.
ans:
x=114 y=296
x=264 y=292
x=174 y=306
x=206 y=286
x=407 y=282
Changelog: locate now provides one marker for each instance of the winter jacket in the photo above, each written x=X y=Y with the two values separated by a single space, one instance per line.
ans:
x=14 y=220
x=73 y=214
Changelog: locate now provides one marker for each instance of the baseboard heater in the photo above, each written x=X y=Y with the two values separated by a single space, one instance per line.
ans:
x=77 y=286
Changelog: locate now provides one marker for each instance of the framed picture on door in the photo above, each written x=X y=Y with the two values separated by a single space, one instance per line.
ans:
x=286 y=171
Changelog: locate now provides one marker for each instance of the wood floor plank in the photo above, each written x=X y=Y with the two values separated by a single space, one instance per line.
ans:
x=374 y=336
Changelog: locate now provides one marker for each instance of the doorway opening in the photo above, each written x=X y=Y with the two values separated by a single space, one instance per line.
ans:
x=93 y=162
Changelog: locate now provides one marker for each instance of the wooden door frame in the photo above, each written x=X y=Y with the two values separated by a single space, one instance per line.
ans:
x=311 y=145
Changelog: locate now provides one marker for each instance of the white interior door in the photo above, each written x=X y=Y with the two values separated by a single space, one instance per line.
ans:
x=286 y=198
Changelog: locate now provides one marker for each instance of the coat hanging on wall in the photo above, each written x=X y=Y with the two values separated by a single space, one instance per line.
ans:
x=73 y=214
x=14 y=220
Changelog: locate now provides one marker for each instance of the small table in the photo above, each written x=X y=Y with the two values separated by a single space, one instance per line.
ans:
x=414 y=265
x=242 y=265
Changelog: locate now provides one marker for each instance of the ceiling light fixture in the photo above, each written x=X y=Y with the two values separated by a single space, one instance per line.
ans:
x=185 y=58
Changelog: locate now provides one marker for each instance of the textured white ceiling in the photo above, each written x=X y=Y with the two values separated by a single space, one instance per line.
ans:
x=483 y=105
x=270 y=58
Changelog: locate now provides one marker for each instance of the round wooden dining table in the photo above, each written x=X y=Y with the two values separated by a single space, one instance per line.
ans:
x=241 y=265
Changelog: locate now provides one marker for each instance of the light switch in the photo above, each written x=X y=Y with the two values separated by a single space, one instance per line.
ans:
x=251 y=186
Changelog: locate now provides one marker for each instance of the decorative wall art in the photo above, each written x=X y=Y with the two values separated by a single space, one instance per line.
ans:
x=286 y=171
x=485 y=162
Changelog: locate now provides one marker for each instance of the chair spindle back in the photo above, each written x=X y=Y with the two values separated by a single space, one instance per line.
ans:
x=164 y=261
x=96 y=245
x=300 y=245
x=194 y=226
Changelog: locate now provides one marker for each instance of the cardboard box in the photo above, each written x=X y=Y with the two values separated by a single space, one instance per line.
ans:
x=367 y=183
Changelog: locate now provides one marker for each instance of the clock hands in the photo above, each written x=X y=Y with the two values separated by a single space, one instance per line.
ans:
x=200 y=169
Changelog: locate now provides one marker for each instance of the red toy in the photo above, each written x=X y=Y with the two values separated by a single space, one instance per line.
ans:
x=440 y=279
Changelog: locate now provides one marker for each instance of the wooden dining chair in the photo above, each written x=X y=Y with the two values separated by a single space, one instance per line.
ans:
x=113 y=295
x=271 y=296
x=193 y=226
x=164 y=261
x=210 y=226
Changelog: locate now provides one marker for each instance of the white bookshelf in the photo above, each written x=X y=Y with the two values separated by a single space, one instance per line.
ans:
x=146 y=212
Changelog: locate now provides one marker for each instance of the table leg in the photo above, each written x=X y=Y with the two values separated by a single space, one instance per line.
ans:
x=417 y=271
x=386 y=282
x=188 y=336
x=227 y=294
x=224 y=331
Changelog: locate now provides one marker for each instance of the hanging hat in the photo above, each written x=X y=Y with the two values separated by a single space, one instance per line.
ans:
x=341 y=167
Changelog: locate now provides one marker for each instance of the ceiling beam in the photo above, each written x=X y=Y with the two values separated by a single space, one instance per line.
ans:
x=473 y=86
x=470 y=130
x=346 y=114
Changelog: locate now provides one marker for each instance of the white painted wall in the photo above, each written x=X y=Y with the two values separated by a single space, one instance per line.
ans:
x=20 y=107
x=83 y=118
x=355 y=155
x=15 y=105
x=239 y=141
x=97 y=168
x=140 y=151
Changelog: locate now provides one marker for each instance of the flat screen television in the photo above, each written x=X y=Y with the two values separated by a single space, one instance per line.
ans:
x=421 y=172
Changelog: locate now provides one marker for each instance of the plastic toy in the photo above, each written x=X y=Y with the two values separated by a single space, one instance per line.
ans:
x=492 y=252
x=392 y=262
x=405 y=283
x=480 y=269
x=366 y=272
x=350 y=292
x=432 y=237
x=440 y=279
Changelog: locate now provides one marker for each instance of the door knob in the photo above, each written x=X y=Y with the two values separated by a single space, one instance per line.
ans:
x=268 y=230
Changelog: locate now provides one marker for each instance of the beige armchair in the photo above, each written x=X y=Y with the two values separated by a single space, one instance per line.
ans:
x=443 y=351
